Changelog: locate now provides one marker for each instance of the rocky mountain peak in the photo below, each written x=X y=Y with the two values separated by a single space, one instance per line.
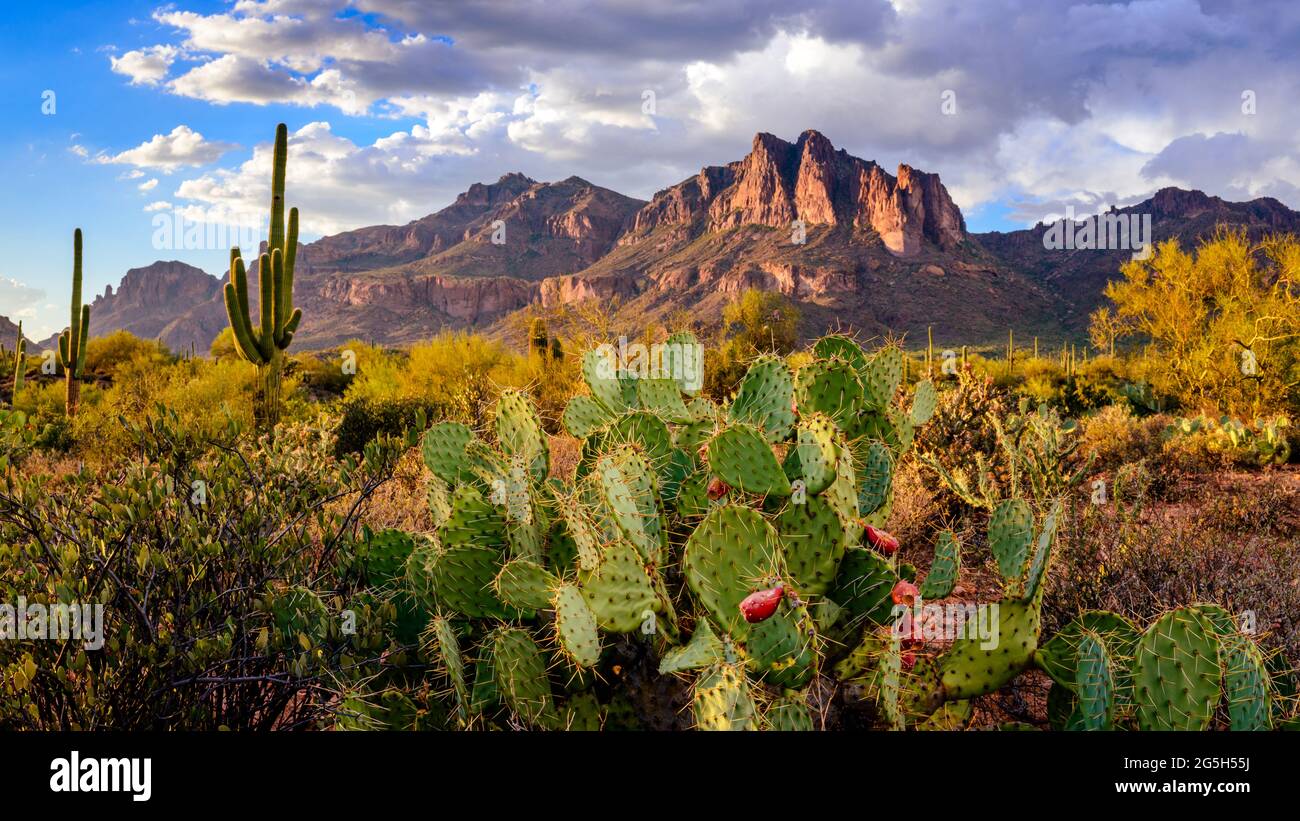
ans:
x=810 y=180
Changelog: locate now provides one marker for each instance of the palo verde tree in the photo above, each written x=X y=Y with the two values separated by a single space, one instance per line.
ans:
x=265 y=344
x=1219 y=327
x=72 y=342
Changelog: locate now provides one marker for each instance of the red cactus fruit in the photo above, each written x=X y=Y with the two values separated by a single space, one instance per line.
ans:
x=909 y=660
x=905 y=593
x=884 y=542
x=761 y=604
x=717 y=488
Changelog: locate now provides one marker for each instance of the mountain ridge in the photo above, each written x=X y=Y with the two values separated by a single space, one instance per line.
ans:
x=851 y=243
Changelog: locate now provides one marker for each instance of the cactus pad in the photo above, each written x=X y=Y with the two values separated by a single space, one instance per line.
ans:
x=1176 y=673
x=575 y=626
x=813 y=541
x=722 y=699
x=765 y=399
x=970 y=670
x=732 y=553
x=703 y=650
x=1094 y=684
x=519 y=669
x=1011 y=532
x=741 y=457
x=945 y=568
x=619 y=591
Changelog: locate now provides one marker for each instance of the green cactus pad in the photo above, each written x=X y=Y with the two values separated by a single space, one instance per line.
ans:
x=599 y=370
x=663 y=397
x=1246 y=685
x=1035 y=578
x=924 y=400
x=619 y=591
x=519 y=669
x=443 y=448
x=692 y=500
x=783 y=648
x=473 y=540
x=584 y=415
x=875 y=482
x=628 y=490
x=765 y=399
x=815 y=455
x=1246 y=681
x=890 y=684
x=741 y=457
x=883 y=376
x=945 y=568
x=732 y=553
x=813 y=540
x=443 y=648
x=521 y=434
x=683 y=359
x=789 y=714
x=524 y=585
x=1176 y=673
x=864 y=584
x=582 y=714
x=843 y=496
x=970 y=670
x=575 y=626
x=1094 y=685
x=439 y=498
x=951 y=715
x=703 y=650
x=1059 y=656
x=385 y=556
x=1011 y=532
x=829 y=386
x=722 y=700
x=838 y=346
x=645 y=430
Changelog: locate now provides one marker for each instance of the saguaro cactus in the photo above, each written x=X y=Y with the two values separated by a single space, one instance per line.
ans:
x=20 y=362
x=72 y=342
x=265 y=345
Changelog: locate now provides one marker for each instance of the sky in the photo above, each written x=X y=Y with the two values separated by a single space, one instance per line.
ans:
x=131 y=119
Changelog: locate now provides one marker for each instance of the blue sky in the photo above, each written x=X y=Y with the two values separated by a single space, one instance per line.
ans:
x=395 y=106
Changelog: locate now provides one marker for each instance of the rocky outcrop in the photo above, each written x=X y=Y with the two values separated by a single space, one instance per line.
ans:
x=809 y=180
x=148 y=300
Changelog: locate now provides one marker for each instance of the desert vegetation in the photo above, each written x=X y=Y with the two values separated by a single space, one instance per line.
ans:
x=538 y=531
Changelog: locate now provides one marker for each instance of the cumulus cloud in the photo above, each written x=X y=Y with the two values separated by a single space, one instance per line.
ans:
x=148 y=185
x=1033 y=104
x=18 y=300
x=168 y=152
x=146 y=66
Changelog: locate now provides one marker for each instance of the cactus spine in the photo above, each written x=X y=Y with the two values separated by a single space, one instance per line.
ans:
x=20 y=363
x=265 y=345
x=72 y=342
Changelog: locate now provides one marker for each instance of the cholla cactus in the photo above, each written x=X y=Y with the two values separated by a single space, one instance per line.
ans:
x=265 y=344
x=72 y=342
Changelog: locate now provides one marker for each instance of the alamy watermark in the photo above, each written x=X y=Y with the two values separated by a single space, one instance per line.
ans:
x=1108 y=231
x=683 y=361
x=947 y=622
x=21 y=621
x=193 y=230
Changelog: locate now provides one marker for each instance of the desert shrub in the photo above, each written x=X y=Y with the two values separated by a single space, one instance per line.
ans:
x=1219 y=327
x=362 y=420
x=1116 y=436
x=320 y=374
x=219 y=606
x=757 y=322
x=105 y=354
x=1231 y=544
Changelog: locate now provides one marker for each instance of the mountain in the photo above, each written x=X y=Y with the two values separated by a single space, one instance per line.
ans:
x=1078 y=277
x=152 y=302
x=856 y=246
x=9 y=337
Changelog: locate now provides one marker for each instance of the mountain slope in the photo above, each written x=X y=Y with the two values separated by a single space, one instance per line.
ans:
x=1079 y=277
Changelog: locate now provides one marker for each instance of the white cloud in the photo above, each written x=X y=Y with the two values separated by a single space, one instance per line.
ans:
x=18 y=300
x=167 y=152
x=160 y=205
x=148 y=185
x=147 y=66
